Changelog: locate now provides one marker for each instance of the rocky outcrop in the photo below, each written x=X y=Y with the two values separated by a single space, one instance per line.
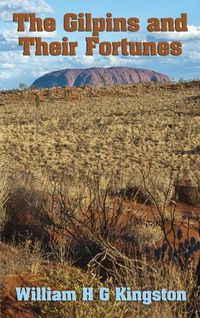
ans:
x=98 y=77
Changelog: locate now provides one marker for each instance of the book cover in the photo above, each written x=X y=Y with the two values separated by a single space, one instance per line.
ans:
x=100 y=159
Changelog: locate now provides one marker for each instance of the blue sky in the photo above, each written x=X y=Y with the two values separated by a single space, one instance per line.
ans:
x=15 y=68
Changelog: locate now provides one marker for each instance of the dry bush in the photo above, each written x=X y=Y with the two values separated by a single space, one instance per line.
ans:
x=76 y=218
x=90 y=144
x=22 y=210
x=137 y=275
x=19 y=259
x=86 y=226
x=188 y=187
x=3 y=198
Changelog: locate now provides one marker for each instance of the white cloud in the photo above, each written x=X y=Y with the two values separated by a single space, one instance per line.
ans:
x=193 y=53
x=7 y=43
x=13 y=34
x=16 y=68
x=82 y=61
x=192 y=34
x=5 y=76
x=128 y=61
x=9 y=38
x=8 y=7
x=7 y=66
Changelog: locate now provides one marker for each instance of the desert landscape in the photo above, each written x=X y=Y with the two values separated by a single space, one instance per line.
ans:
x=100 y=186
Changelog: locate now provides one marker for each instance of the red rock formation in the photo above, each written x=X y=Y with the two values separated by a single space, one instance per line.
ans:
x=98 y=77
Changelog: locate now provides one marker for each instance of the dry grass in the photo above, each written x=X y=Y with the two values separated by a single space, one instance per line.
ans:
x=70 y=278
x=19 y=259
x=106 y=132
x=68 y=155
